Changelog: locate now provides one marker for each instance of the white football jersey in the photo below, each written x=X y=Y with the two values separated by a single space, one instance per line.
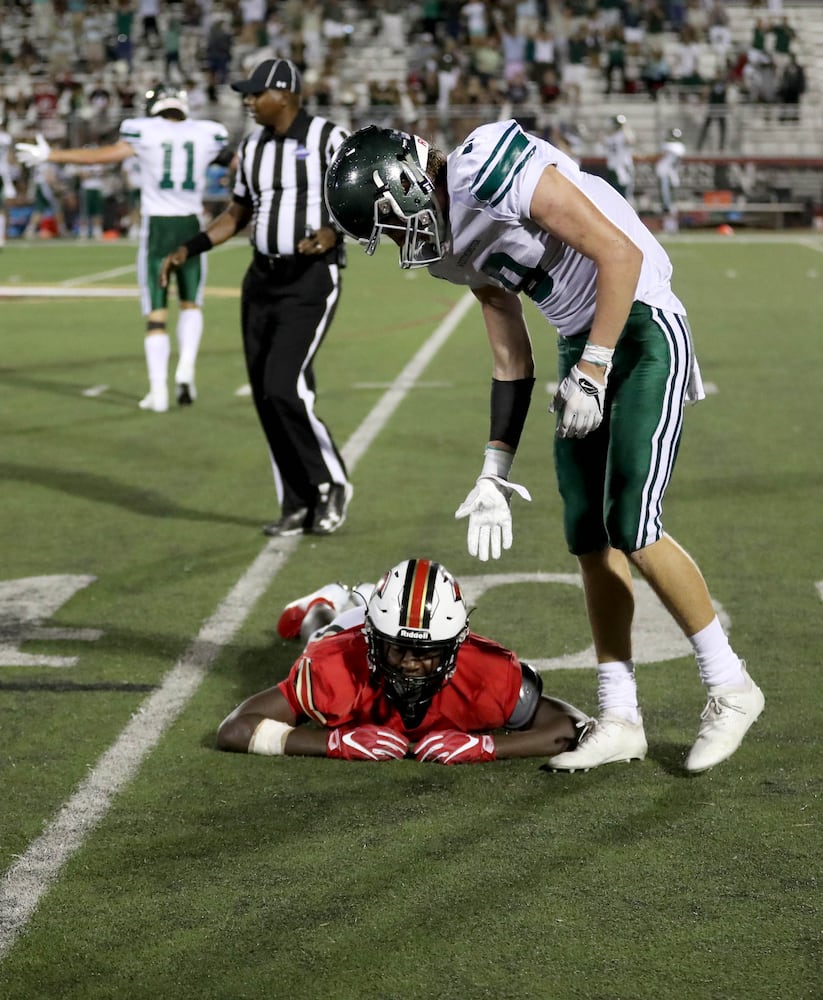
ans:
x=173 y=158
x=492 y=239
x=617 y=146
x=5 y=166
x=671 y=153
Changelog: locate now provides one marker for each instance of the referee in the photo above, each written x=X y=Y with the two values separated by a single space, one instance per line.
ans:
x=290 y=291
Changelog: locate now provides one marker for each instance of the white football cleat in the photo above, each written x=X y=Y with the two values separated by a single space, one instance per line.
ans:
x=157 y=400
x=725 y=720
x=334 y=596
x=605 y=741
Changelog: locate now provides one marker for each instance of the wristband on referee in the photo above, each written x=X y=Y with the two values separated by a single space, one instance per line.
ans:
x=201 y=243
x=510 y=402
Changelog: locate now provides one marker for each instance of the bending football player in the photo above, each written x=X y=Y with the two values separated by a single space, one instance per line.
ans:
x=400 y=674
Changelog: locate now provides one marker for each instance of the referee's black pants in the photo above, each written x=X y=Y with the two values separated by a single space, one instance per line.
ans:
x=287 y=308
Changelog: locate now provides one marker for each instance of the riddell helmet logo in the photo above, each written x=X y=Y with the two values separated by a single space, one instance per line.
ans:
x=413 y=633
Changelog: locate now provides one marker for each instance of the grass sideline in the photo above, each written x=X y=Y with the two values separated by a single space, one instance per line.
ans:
x=229 y=877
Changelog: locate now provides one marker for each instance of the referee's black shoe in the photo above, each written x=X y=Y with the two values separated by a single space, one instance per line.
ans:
x=293 y=522
x=330 y=511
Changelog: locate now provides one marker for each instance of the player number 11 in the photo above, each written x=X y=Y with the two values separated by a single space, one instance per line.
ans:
x=166 y=181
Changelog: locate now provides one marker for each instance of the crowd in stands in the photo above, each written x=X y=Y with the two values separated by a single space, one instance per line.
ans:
x=72 y=69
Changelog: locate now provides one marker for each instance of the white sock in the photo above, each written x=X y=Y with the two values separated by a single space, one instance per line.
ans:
x=717 y=662
x=189 y=332
x=617 y=690
x=2 y=229
x=157 y=358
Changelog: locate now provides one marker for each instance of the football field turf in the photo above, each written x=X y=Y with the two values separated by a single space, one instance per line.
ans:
x=138 y=603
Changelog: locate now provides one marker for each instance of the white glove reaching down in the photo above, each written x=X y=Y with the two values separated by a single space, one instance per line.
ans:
x=490 y=518
x=579 y=401
x=32 y=154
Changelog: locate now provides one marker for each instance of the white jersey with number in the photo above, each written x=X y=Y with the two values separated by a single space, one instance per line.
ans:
x=492 y=240
x=173 y=158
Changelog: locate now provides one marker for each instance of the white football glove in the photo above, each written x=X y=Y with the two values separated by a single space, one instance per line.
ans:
x=490 y=518
x=32 y=154
x=579 y=402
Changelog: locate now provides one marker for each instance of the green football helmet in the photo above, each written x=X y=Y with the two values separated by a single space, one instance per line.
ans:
x=377 y=183
x=165 y=97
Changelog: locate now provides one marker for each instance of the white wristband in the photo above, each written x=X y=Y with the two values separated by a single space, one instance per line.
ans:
x=497 y=462
x=596 y=355
x=269 y=738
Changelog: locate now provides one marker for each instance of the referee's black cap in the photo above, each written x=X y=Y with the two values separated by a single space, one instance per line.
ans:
x=271 y=74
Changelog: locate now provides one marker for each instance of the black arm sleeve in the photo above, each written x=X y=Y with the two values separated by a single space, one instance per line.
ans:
x=509 y=406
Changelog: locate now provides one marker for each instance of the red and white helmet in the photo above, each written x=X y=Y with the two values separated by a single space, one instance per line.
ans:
x=417 y=606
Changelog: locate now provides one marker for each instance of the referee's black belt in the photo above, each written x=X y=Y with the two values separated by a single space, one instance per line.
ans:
x=285 y=263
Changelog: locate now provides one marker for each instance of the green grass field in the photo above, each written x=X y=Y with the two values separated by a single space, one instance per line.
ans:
x=138 y=603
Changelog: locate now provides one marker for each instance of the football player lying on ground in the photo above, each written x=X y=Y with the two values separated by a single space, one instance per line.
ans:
x=403 y=676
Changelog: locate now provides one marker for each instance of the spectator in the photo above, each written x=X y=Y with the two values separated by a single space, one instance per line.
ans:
x=573 y=74
x=123 y=28
x=448 y=73
x=791 y=88
x=615 y=59
x=147 y=12
x=253 y=18
x=487 y=58
x=761 y=81
x=655 y=72
x=336 y=29
x=218 y=56
x=783 y=35
x=393 y=25
x=719 y=33
x=542 y=53
x=550 y=91
x=686 y=70
x=171 y=48
x=476 y=19
x=513 y=45
x=716 y=110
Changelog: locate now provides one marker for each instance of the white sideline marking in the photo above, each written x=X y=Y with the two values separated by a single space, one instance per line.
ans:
x=65 y=292
x=116 y=272
x=30 y=876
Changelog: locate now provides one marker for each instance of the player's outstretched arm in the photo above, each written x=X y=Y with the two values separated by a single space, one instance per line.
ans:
x=552 y=731
x=487 y=506
x=264 y=723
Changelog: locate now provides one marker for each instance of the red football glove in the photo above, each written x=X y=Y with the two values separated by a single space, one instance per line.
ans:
x=366 y=743
x=453 y=747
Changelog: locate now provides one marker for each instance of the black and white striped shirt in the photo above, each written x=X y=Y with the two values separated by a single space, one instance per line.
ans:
x=281 y=179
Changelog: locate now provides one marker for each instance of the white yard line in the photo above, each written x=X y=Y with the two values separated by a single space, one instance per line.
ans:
x=29 y=877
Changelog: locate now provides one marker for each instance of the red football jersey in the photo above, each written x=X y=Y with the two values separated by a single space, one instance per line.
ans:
x=331 y=684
